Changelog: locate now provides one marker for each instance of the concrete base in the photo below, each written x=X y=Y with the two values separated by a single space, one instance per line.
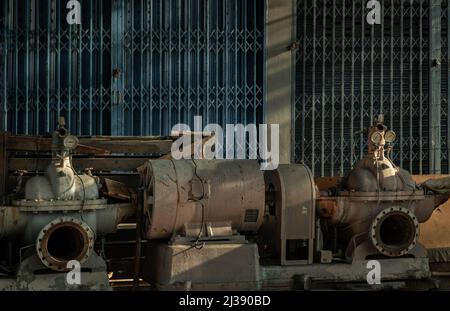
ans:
x=182 y=266
x=32 y=275
x=395 y=274
x=237 y=267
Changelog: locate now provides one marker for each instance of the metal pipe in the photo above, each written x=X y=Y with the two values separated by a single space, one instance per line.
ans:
x=395 y=231
x=62 y=240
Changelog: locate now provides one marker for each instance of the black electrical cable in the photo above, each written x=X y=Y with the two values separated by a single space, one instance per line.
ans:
x=196 y=243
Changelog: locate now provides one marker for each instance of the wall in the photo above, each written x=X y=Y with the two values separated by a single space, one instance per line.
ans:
x=279 y=64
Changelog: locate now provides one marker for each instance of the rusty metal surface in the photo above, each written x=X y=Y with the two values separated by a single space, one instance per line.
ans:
x=403 y=231
x=326 y=183
x=204 y=137
x=435 y=233
x=95 y=145
x=377 y=206
x=357 y=212
x=327 y=208
x=115 y=189
x=64 y=239
x=347 y=209
x=56 y=205
x=124 y=164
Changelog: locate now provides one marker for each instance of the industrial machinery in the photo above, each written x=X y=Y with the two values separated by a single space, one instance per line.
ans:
x=208 y=224
x=377 y=208
x=57 y=221
x=224 y=224
x=202 y=212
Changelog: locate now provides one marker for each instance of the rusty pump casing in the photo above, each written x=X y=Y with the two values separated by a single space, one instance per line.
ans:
x=377 y=208
x=61 y=215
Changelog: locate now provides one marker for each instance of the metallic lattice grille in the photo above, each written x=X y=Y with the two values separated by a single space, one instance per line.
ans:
x=348 y=71
x=172 y=60
x=192 y=58
x=50 y=68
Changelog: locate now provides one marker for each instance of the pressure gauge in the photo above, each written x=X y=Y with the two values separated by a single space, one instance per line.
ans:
x=390 y=136
x=70 y=142
x=376 y=138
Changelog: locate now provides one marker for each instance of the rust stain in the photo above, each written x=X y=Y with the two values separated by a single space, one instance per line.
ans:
x=326 y=207
x=325 y=183
x=435 y=233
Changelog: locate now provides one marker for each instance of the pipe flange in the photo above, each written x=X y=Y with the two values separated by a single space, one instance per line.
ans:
x=62 y=240
x=398 y=245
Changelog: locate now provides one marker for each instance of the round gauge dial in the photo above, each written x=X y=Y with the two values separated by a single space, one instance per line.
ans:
x=390 y=136
x=71 y=142
x=376 y=137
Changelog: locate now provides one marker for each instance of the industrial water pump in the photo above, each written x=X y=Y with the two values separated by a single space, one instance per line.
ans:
x=58 y=220
x=377 y=208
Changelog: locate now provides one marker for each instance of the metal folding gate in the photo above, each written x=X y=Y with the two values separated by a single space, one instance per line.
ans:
x=133 y=67
x=348 y=71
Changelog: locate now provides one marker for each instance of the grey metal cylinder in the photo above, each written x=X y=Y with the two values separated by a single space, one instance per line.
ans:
x=184 y=192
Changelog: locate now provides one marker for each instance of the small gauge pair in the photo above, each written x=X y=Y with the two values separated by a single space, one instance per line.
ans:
x=377 y=137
